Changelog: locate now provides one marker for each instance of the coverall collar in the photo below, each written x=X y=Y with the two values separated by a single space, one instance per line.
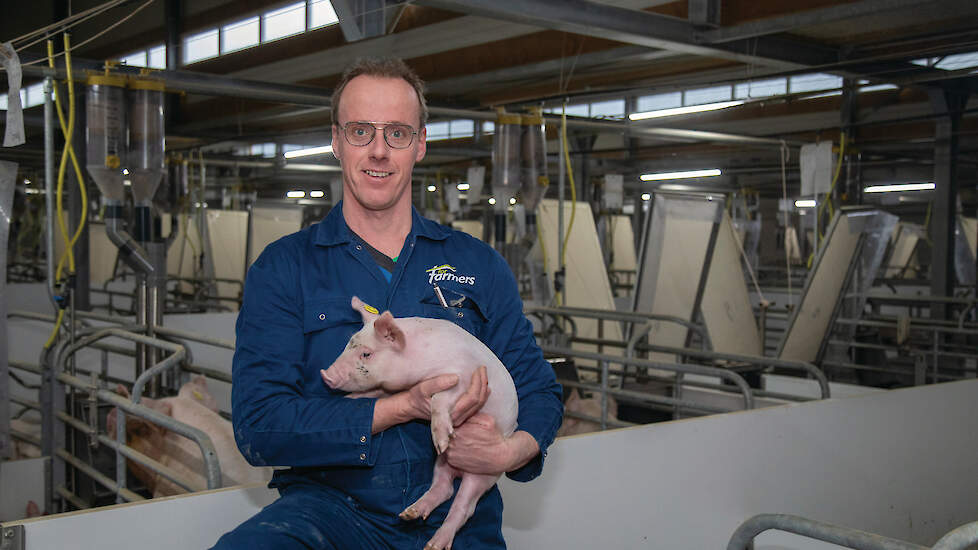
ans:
x=333 y=229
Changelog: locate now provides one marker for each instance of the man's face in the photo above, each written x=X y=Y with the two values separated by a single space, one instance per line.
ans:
x=376 y=176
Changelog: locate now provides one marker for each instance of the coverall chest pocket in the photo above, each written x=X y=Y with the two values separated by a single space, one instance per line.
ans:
x=462 y=310
x=327 y=324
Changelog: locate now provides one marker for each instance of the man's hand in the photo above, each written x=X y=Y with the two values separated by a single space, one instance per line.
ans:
x=479 y=447
x=473 y=399
x=411 y=404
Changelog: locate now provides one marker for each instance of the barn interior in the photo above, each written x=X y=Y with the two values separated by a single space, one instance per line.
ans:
x=745 y=233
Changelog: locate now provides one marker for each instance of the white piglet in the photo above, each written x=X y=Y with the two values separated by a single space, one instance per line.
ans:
x=392 y=355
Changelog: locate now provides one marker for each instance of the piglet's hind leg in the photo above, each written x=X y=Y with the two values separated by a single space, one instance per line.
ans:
x=441 y=490
x=472 y=488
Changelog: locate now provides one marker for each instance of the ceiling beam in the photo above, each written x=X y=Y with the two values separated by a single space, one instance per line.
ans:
x=643 y=28
x=820 y=16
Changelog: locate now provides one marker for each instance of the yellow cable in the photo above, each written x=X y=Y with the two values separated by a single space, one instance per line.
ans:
x=67 y=152
x=570 y=176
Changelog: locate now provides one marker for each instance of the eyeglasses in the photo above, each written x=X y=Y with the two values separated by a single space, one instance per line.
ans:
x=360 y=134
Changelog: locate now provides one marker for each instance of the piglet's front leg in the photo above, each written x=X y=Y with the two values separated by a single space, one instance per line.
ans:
x=441 y=419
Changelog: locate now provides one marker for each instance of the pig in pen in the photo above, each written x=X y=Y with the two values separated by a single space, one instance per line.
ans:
x=194 y=406
x=390 y=355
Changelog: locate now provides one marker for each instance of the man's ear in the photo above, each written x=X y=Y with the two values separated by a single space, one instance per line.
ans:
x=336 y=144
x=387 y=330
x=422 y=144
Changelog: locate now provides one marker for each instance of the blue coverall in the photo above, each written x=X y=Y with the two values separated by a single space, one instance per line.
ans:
x=345 y=486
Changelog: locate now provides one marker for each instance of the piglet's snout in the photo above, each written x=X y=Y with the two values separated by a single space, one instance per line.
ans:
x=332 y=377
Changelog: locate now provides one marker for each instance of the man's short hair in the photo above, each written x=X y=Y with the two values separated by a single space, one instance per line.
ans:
x=384 y=67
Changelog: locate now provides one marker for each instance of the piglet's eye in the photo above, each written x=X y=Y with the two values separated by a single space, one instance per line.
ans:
x=365 y=355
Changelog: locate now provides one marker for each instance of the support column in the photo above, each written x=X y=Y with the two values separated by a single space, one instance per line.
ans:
x=948 y=105
x=174 y=54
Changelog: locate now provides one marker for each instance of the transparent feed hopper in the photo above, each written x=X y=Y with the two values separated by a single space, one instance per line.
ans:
x=106 y=134
x=146 y=163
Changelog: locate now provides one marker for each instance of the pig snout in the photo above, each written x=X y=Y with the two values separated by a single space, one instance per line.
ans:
x=335 y=377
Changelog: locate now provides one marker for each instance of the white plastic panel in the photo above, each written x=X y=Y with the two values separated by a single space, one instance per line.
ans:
x=901 y=260
x=726 y=306
x=586 y=280
x=472 y=227
x=676 y=242
x=20 y=483
x=811 y=318
x=865 y=462
x=269 y=225
x=623 y=242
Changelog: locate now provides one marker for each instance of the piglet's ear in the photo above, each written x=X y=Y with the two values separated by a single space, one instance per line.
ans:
x=369 y=313
x=387 y=330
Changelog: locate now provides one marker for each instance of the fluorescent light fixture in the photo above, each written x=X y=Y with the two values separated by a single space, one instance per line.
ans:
x=431 y=188
x=463 y=187
x=512 y=200
x=646 y=196
x=899 y=187
x=317 y=194
x=125 y=171
x=295 y=194
x=805 y=203
x=492 y=200
x=27 y=181
x=127 y=182
x=680 y=175
x=309 y=152
x=685 y=110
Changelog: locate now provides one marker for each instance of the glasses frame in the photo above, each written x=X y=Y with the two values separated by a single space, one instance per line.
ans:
x=383 y=130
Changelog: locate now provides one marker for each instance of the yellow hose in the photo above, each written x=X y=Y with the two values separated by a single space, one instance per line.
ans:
x=68 y=151
x=570 y=176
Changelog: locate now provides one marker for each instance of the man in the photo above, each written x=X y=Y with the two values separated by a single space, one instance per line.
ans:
x=357 y=463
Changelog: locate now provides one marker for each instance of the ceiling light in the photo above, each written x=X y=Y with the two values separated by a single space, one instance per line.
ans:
x=684 y=110
x=125 y=171
x=492 y=200
x=309 y=152
x=463 y=187
x=646 y=196
x=680 y=175
x=27 y=181
x=317 y=194
x=432 y=188
x=899 y=187
x=512 y=200
x=805 y=203
x=295 y=194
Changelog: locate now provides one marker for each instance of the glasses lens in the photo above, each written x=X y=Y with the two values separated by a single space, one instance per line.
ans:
x=398 y=136
x=359 y=133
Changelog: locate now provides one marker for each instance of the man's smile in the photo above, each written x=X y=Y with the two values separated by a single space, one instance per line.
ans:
x=377 y=174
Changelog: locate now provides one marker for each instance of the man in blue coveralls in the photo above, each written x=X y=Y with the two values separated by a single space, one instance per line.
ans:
x=355 y=464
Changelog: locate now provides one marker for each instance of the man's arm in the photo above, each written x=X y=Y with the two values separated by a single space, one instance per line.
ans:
x=478 y=446
x=415 y=403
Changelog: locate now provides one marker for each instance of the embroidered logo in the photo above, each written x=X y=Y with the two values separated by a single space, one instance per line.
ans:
x=446 y=272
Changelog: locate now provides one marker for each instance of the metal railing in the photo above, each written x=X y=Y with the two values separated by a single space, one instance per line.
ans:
x=961 y=538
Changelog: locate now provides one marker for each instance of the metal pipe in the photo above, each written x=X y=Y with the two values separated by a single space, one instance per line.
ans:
x=835 y=534
x=672 y=367
x=211 y=465
x=194 y=337
x=660 y=399
x=959 y=539
x=129 y=251
x=134 y=455
x=96 y=475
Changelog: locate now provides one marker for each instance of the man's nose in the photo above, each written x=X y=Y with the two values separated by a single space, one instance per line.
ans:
x=378 y=148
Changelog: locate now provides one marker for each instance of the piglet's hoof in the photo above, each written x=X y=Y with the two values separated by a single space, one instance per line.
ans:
x=409 y=514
